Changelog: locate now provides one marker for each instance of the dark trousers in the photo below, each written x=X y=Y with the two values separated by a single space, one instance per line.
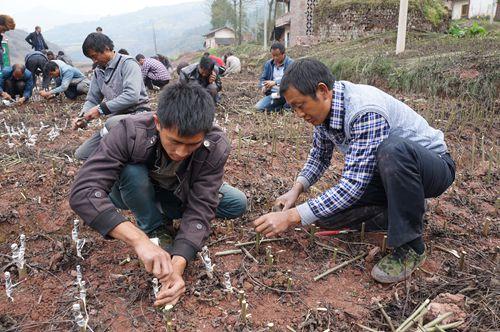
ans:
x=35 y=65
x=14 y=87
x=149 y=83
x=406 y=174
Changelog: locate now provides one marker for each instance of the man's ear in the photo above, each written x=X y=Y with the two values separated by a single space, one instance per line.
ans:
x=157 y=122
x=322 y=91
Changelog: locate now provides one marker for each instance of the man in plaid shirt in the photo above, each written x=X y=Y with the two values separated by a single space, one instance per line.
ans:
x=154 y=73
x=393 y=161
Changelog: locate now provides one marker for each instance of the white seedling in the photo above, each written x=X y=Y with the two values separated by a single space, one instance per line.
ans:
x=79 y=276
x=79 y=319
x=22 y=250
x=227 y=283
x=8 y=286
x=75 y=231
x=205 y=257
x=54 y=133
x=15 y=255
x=79 y=246
x=83 y=294
x=156 y=287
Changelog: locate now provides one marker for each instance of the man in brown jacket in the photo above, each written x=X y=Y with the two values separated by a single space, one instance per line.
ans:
x=161 y=166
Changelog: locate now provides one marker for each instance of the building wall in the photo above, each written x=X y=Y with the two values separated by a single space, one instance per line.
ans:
x=225 y=33
x=300 y=17
x=482 y=8
x=210 y=43
x=456 y=10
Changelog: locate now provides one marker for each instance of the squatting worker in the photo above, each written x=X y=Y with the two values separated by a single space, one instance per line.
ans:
x=393 y=160
x=116 y=89
x=162 y=166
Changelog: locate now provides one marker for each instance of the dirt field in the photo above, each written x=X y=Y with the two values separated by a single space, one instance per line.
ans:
x=268 y=151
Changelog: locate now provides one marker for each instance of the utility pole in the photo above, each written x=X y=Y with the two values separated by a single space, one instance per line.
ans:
x=493 y=11
x=154 y=37
x=265 y=23
x=403 y=14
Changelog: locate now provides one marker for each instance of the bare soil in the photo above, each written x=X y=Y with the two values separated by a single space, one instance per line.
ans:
x=268 y=151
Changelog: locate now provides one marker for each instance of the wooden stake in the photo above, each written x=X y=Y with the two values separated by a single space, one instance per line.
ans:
x=363 y=225
x=384 y=244
x=335 y=268
x=257 y=243
x=461 y=263
x=486 y=227
x=334 y=258
x=386 y=316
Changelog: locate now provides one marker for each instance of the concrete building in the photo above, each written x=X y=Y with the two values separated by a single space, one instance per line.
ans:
x=295 y=26
x=473 y=8
x=219 y=37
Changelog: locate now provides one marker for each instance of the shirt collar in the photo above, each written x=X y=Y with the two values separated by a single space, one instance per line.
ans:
x=335 y=120
x=112 y=63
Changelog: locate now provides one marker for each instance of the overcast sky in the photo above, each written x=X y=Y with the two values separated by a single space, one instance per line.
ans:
x=77 y=11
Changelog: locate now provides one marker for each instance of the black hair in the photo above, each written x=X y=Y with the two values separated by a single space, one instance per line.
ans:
x=206 y=54
x=123 y=51
x=278 y=46
x=50 y=67
x=50 y=53
x=207 y=63
x=180 y=66
x=139 y=57
x=163 y=59
x=97 y=42
x=60 y=53
x=186 y=106
x=98 y=29
x=305 y=75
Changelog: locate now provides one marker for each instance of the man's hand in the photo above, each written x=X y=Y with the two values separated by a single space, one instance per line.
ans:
x=21 y=100
x=287 y=200
x=155 y=259
x=269 y=84
x=92 y=113
x=275 y=223
x=173 y=287
x=6 y=96
x=45 y=94
x=212 y=77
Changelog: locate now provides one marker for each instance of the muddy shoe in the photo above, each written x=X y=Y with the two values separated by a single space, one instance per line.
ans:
x=397 y=266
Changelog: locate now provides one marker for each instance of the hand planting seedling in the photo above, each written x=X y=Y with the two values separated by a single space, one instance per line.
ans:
x=156 y=287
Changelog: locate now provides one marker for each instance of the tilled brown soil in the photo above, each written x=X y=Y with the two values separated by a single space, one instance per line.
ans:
x=268 y=151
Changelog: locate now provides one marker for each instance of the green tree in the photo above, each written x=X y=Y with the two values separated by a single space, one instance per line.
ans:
x=222 y=14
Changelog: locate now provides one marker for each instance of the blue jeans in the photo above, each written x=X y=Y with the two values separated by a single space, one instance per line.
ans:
x=270 y=104
x=134 y=191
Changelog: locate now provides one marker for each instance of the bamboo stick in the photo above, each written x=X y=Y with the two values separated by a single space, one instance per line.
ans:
x=335 y=268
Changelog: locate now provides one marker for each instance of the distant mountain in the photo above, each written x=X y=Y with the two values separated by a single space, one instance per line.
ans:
x=179 y=28
x=19 y=47
x=46 y=18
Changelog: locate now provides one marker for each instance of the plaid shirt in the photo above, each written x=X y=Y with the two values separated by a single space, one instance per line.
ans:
x=367 y=132
x=155 y=70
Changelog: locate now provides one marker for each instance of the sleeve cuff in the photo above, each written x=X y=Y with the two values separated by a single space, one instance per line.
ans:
x=304 y=181
x=105 y=108
x=307 y=216
x=106 y=221
x=185 y=249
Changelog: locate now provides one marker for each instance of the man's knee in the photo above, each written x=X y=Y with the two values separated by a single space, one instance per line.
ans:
x=136 y=175
x=390 y=152
x=212 y=89
x=233 y=203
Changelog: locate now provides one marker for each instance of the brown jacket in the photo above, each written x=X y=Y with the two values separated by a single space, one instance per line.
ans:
x=134 y=140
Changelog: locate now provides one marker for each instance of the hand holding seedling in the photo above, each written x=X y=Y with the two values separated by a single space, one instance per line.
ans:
x=46 y=94
x=269 y=84
x=173 y=286
x=275 y=223
x=155 y=259
x=92 y=113
x=6 y=96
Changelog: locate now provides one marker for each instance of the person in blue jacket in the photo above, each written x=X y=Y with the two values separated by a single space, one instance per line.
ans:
x=16 y=81
x=69 y=80
x=271 y=78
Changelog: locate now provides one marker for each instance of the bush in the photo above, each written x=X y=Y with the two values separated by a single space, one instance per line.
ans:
x=474 y=30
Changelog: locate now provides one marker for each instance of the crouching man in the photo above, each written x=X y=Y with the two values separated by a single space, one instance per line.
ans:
x=162 y=166
x=393 y=161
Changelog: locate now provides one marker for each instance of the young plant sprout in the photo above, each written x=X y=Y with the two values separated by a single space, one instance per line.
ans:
x=257 y=243
x=76 y=228
x=167 y=316
x=79 y=246
x=241 y=296
x=8 y=286
x=79 y=276
x=79 y=319
x=205 y=258
x=269 y=256
x=83 y=294
x=22 y=261
x=244 y=307
x=156 y=286
x=227 y=283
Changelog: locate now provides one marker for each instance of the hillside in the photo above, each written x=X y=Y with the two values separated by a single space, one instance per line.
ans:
x=19 y=47
x=179 y=28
